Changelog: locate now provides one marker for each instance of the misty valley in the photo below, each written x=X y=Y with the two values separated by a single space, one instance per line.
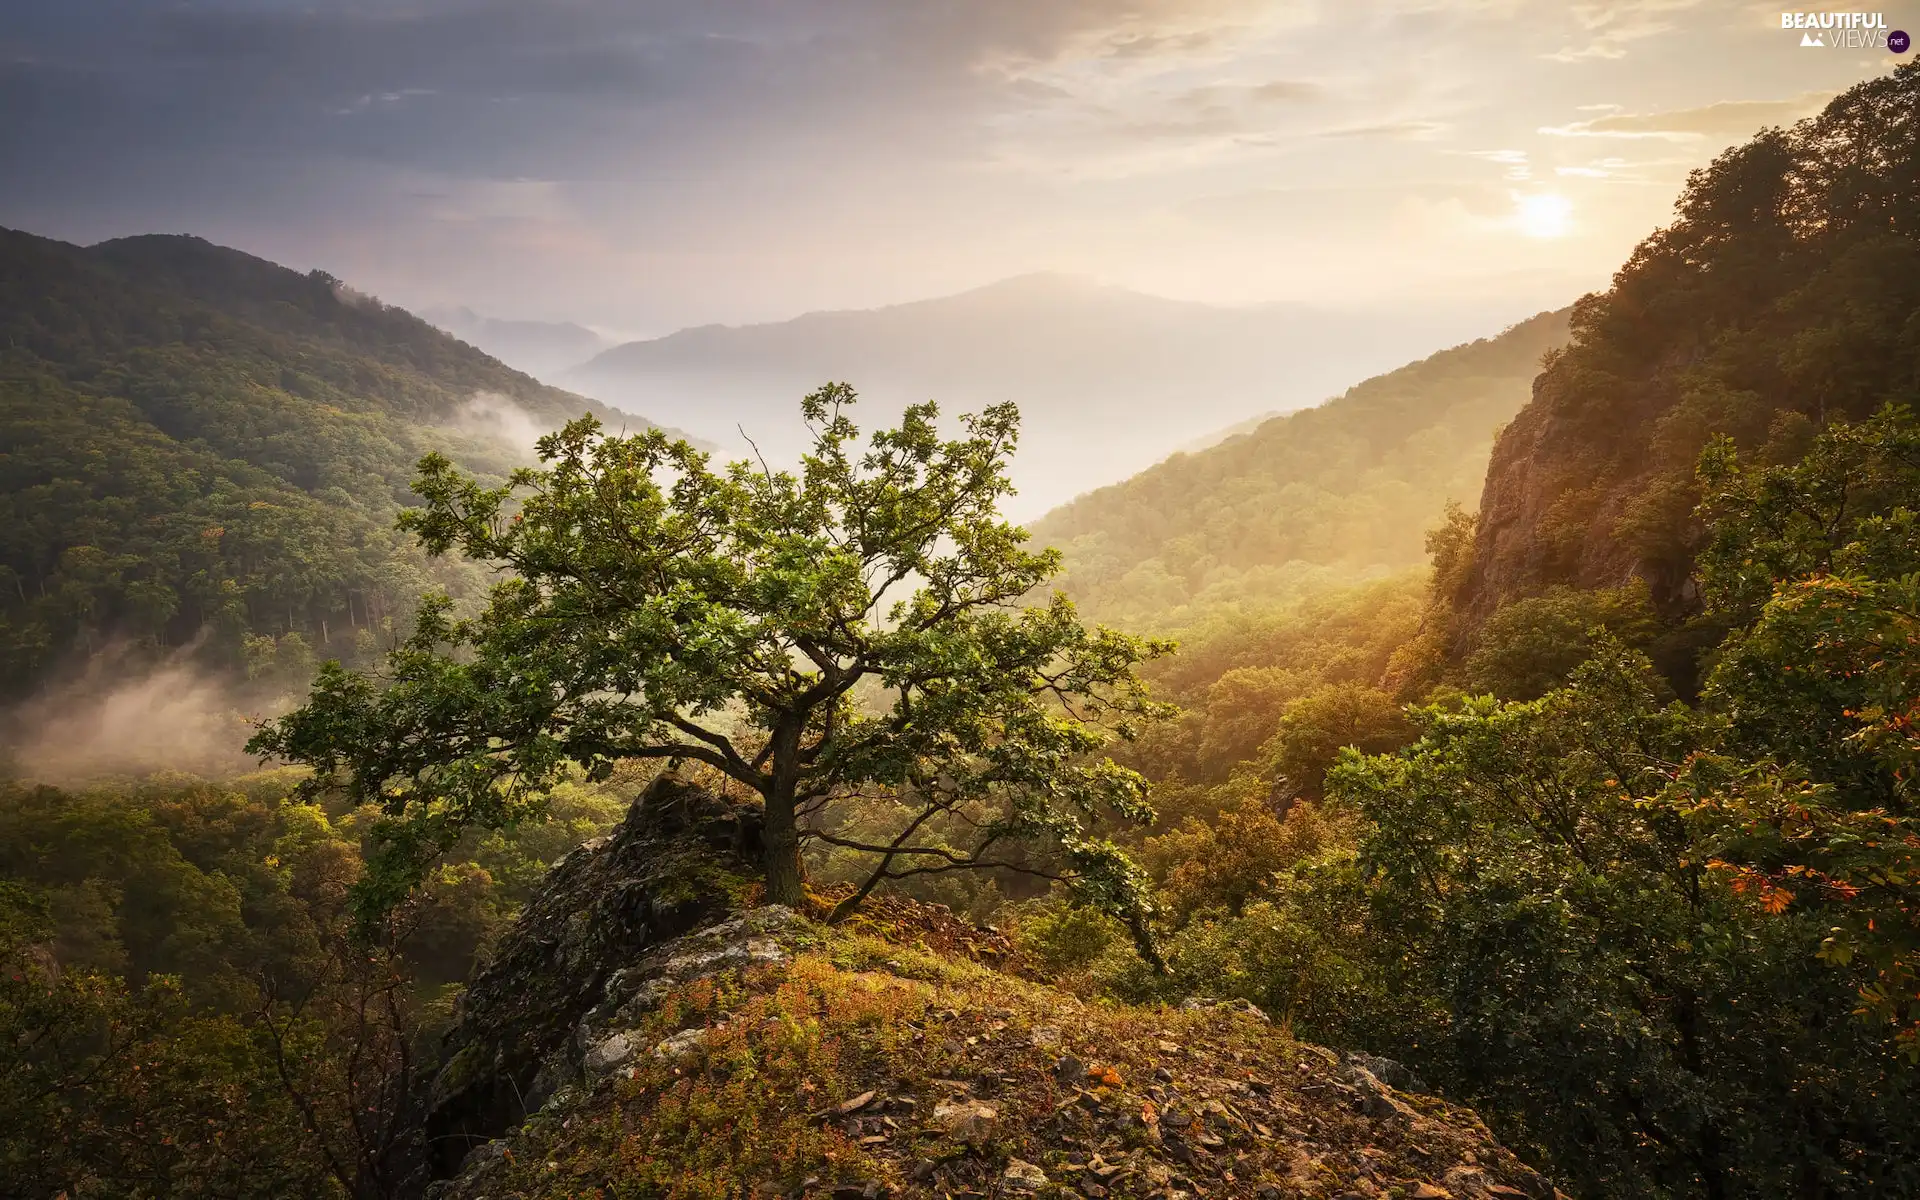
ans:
x=1043 y=739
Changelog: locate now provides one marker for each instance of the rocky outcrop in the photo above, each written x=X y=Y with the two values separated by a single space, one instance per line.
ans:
x=678 y=863
x=1561 y=476
x=641 y=1032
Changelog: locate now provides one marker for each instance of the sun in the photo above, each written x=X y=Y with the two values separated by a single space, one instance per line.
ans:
x=1543 y=215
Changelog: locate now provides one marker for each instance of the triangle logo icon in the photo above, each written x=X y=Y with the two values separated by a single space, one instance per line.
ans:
x=1809 y=39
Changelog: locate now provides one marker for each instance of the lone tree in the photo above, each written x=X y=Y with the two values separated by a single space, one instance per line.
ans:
x=858 y=629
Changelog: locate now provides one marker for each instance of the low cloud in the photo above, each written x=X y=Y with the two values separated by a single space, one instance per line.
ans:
x=115 y=720
x=352 y=297
x=494 y=417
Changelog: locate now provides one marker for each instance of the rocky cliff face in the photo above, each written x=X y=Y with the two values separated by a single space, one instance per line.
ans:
x=1563 y=476
x=639 y=1033
x=1783 y=296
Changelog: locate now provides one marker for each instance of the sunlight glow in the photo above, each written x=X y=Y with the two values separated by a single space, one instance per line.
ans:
x=1543 y=215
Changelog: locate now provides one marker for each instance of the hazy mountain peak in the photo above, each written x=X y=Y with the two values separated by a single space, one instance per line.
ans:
x=1051 y=284
x=1107 y=379
x=541 y=348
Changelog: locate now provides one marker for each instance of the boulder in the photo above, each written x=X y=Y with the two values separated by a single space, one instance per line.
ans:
x=671 y=867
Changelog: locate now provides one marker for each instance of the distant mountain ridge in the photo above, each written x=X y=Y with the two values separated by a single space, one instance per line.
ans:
x=1326 y=494
x=544 y=349
x=1108 y=380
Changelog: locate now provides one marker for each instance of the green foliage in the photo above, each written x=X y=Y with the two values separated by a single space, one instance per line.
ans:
x=857 y=627
x=181 y=1012
x=1259 y=908
x=201 y=446
x=111 y=1091
x=1541 y=874
x=1325 y=496
x=1321 y=724
x=1236 y=677
x=1064 y=938
x=1228 y=862
x=1823 y=557
x=1841 y=509
x=1528 y=647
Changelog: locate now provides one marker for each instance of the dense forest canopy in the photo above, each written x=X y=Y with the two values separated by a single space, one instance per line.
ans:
x=205 y=452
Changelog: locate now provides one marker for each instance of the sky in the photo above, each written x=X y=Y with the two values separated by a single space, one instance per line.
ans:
x=642 y=165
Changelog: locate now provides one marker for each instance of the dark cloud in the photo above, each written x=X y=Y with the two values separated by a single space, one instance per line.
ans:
x=407 y=133
x=106 y=95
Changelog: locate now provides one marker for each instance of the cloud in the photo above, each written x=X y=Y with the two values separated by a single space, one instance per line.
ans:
x=1397 y=130
x=1607 y=30
x=1515 y=162
x=1286 y=91
x=1248 y=96
x=1726 y=118
x=498 y=418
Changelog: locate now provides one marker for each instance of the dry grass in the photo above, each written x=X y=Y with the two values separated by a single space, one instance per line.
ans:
x=771 y=1102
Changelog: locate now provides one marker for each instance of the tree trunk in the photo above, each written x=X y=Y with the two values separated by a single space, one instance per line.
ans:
x=780 y=843
x=780 y=837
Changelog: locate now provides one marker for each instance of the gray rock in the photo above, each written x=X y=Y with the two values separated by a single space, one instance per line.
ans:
x=681 y=1044
x=1023 y=1176
x=610 y=1053
x=1070 y=1071
x=1385 y=1070
x=1247 y=1007
x=971 y=1121
x=516 y=1038
x=1376 y=1099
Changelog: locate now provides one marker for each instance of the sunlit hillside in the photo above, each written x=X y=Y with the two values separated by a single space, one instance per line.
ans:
x=1328 y=495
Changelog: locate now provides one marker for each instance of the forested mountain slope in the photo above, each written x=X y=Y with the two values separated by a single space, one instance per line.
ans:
x=1328 y=493
x=205 y=451
x=1784 y=295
